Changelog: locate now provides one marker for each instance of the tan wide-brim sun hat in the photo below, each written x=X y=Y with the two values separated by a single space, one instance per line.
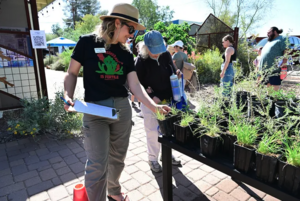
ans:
x=126 y=12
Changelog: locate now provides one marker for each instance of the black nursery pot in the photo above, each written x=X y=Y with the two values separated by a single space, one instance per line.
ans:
x=209 y=145
x=243 y=157
x=227 y=146
x=266 y=167
x=166 y=127
x=182 y=134
x=289 y=177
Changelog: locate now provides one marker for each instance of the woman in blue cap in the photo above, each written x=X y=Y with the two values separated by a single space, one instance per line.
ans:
x=154 y=66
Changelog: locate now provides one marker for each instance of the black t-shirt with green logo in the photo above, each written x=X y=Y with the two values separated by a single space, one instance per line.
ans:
x=104 y=74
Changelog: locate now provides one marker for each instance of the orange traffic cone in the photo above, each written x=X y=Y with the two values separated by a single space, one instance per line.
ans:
x=79 y=193
x=283 y=73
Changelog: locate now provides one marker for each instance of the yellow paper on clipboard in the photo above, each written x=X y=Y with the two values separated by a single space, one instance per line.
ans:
x=94 y=109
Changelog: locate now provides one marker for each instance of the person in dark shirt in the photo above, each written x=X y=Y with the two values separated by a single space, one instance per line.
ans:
x=107 y=64
x=154 y=66
x=227 y=72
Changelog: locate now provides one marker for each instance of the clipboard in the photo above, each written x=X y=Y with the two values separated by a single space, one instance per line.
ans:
x=94 y=109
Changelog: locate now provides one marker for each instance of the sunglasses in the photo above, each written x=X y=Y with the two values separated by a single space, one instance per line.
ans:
x=131 y=28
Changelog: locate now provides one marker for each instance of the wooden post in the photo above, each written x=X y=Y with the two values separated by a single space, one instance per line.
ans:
x=236 y=37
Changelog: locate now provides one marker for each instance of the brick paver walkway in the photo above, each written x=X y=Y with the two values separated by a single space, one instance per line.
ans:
x=49 y=170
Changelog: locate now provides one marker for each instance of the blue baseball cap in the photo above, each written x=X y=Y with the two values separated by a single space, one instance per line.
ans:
x=155 y=42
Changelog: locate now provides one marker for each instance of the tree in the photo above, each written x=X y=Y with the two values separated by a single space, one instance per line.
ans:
x=246 y=14
x=174 y=32
x=85 y=26
x=76 y=9
x=151 y=13
x=56 y=29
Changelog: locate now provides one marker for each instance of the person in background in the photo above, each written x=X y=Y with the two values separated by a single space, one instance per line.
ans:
x=227 y=72
x=185 y=50
x=275 y=47
x=154 y=66
x=107 y=64
x=257 y=59
x=179 y=57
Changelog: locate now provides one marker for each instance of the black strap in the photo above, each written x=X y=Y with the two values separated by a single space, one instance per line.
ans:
x=125 y=16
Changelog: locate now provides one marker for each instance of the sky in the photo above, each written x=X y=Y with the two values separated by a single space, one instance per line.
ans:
x=284 y=14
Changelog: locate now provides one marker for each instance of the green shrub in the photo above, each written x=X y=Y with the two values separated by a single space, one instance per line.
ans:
x=65 y=58
x=57 y=66
x=209 y=66
x=41 y=116
x=50 y=60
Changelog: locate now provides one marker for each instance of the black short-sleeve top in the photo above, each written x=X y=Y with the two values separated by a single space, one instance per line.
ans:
x=104 y=71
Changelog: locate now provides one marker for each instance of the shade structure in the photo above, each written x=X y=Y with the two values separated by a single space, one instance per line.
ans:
x=61 y=41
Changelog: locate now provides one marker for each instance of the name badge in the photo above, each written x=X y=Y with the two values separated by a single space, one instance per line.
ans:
x=100 y=50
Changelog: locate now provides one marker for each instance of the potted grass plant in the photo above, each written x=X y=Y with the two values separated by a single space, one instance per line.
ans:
x=267 y=154
x=210 y=140
x=289 y=167
x=244 y=150
x=164 y=124
x=183 y=129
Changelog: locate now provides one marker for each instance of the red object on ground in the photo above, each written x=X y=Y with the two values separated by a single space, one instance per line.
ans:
x=79 y=193
x=283 y=73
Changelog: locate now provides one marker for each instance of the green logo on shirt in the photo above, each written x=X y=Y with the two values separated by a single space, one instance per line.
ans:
x=112 y=67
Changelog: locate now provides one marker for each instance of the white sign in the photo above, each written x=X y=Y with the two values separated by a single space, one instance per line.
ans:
x=38 y=39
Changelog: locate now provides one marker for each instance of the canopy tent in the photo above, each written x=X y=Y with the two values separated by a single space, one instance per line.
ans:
x=61 y=41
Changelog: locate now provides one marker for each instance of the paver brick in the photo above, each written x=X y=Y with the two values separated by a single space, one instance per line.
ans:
x=59 y=165
x=16 y=163
x=3 y=157
x=73 y=145
x=26 y=175
x=141 y=177
x=3 y=198
x=13 y=153
x=47 y=174
x=211 y=179
x=213 y=190
x=49 y=156
x=11 y=144
x=219 y=174
x=131 y=184
x=147 y=189
x=193 y=164
x=58 y=192
x=16 y=170
x=65 y=152
x=197 y=174
x=125 y=177
x=240 y=195
x=55 y=160
x=63 y=170
x=31 y=159
x=155 y=196
x=207 y=168
x=32 y=181
x=135 y=194
x=252 y=191
x=270 y=198
x=40 y=197
x=56 y=181
x=18 y=195
x=6 y=180
x=221 y=196
x=227 y=185
x=71 y=159
x=4 y=172
x=200 y=185
x=81 y=154
x=77 y=150
x=183 y=192
x=38 y=165
x=19 y=156
x=11 y=188
x=68 y=177
x=40 y=187
x=131 y=169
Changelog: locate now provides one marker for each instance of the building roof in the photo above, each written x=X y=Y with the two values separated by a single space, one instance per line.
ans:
x=43 y=3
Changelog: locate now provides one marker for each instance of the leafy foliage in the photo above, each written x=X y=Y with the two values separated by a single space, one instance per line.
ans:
x=151 y=13
x=186 y=119
x=246 y=134
x=209 y=66
x=160 y=116
x=41 y=116
x=269 y=144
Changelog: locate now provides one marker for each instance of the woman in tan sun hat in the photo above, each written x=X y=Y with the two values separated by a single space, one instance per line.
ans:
x=107 y=64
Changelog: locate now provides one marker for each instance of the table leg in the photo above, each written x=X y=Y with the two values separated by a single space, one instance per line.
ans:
x=167 y=173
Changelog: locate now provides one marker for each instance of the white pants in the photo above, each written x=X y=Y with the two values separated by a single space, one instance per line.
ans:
x=151 y=124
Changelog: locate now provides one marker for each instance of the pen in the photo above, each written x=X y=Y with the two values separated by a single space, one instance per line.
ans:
x=65 y=101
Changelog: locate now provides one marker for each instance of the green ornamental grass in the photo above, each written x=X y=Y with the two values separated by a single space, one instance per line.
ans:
x=246 y=134
x=186 y=119
x=269 y=144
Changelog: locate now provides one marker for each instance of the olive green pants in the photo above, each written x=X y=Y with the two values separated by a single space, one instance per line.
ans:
x=106 y=143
